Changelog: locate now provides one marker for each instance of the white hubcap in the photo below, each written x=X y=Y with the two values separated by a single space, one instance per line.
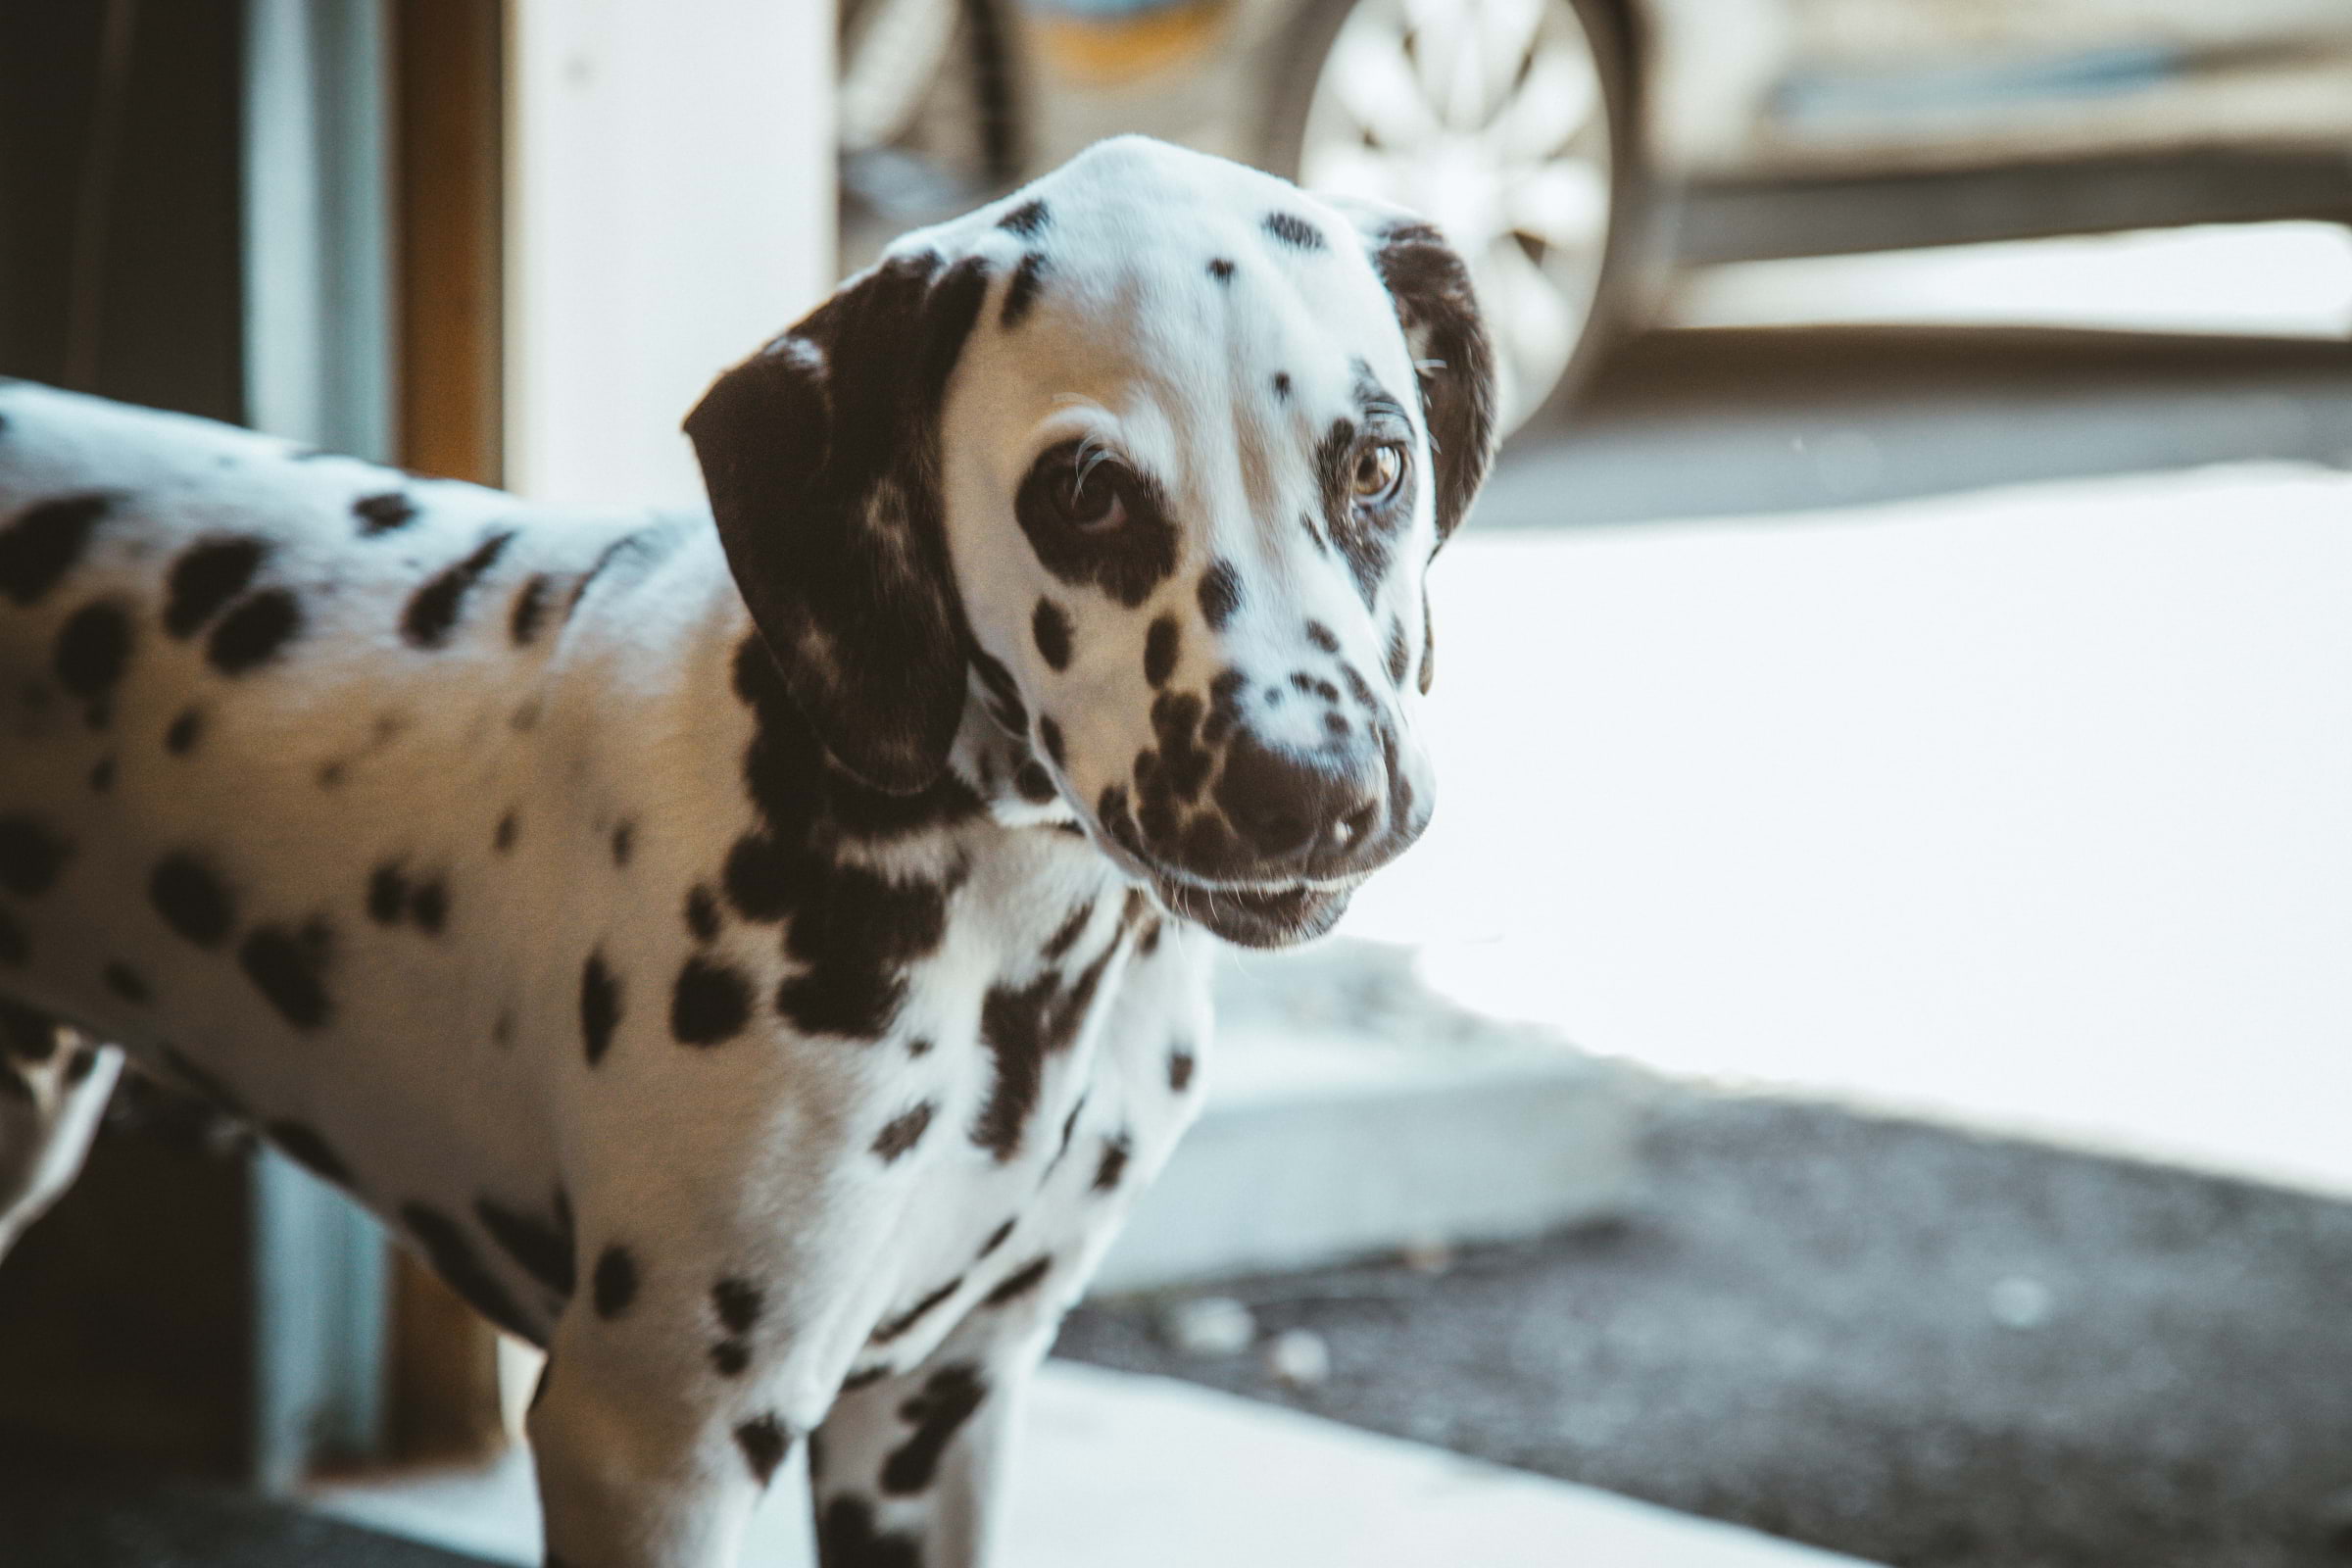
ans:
x=1485 y=116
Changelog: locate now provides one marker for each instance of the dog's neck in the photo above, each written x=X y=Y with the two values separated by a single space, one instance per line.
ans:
x=990 y=755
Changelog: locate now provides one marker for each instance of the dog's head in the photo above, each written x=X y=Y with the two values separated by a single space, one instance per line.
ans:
x=1150 y=459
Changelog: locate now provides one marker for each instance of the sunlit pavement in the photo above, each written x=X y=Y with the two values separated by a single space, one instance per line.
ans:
x=1147 y=1473
x=2025 y=804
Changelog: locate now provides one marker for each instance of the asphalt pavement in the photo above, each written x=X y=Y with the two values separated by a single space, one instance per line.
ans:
x=1912 y=1344
x=1753 y=422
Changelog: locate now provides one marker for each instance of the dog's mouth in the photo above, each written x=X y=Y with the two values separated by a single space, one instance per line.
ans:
x=1259 y=916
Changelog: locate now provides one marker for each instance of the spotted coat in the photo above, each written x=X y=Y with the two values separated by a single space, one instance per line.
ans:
x=756 y=957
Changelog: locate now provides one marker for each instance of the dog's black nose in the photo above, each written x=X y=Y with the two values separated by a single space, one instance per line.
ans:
x=1291 y=806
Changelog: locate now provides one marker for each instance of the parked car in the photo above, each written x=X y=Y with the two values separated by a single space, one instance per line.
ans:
x=1579 y=150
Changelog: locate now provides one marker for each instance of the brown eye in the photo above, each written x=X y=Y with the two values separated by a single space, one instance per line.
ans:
x=1087 y=502
x=1379 y=473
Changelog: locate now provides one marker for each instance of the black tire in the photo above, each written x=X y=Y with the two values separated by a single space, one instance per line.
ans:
x=1632 y=242
x=967 y=142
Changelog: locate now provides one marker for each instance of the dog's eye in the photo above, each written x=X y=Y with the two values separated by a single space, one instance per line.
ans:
x=1088 y=501
x=1379 y=473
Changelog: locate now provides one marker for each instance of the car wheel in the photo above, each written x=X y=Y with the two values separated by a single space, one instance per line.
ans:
x=927 y=110
x=1507 y=123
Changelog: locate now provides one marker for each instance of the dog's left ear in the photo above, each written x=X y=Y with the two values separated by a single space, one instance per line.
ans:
x=821 y=455
x=1435 y=304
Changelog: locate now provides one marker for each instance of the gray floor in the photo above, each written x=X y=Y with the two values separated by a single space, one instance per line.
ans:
x=1916 y=1346
x=54 y=1516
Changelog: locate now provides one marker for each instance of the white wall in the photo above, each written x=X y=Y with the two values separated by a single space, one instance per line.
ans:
x=670 y=206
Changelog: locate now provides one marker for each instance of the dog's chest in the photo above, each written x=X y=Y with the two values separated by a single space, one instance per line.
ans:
x=1063 y=1035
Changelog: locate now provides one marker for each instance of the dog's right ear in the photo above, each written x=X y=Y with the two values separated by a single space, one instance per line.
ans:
x=821 y=457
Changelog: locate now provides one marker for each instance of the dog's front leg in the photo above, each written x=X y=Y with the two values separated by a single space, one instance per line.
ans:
x=635 y=1473
x=909 y=1469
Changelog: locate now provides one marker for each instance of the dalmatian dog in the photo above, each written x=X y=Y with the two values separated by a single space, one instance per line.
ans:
x=756 y=956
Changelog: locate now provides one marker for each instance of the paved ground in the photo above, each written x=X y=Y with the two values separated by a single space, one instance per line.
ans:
x=1757 y=421
x=54 y=1516
x=1912 y=1344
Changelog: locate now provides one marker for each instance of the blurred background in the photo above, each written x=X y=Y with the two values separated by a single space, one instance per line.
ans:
x=1861 y=1055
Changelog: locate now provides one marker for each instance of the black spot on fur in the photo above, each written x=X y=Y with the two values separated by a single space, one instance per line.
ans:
x=1117 y=1150
x=253 y=633
x=92 y=646
x=80 y=1064
x=865 y=1378
x=1022 y=292
x=856 y=941
x=600 y=1006
x=1050 y=734
x=1034 y=782
x=712 y=1003
x=1161 y=647
x=892 y=1328
x=529 y=609
x=502 y=839
x=428 y=907
x=1220 y=268
x=102 y=775
x=1065 y=936
x=701 y=913
x=730 y=1358
x=432 y=610
x=765 y=881
x=846 y=1537
x=624 y=843
x=918 y=1045
x=301 y=1143
x=1021 y=1027
x=381 y=514
x=902 y=1132
x=947 y=1402
x=1180 y=1068
x=1282 y=387
x=191 y=900
x=1051 y=625
x=387 y=895
x=206 y=578
x=285 y=967
x=633 y=554
x=126 y=982
x=180 y=738
x=30 y=855
x=542 y=1250
x=1019 y=1283
x=738 y=1303
x=1294 y=231
x=1220 y=594
x=453 y=1259
x=614 y=1285
x=997 y=1238
x=1322 y=637
x=44 y=544
x=1026 y=220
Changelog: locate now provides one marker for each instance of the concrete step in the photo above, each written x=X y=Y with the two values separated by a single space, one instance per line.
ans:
x=1148 y=1473
x=1351 y=1110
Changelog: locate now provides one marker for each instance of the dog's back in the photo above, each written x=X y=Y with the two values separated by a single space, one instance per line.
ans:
x=297 y=759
